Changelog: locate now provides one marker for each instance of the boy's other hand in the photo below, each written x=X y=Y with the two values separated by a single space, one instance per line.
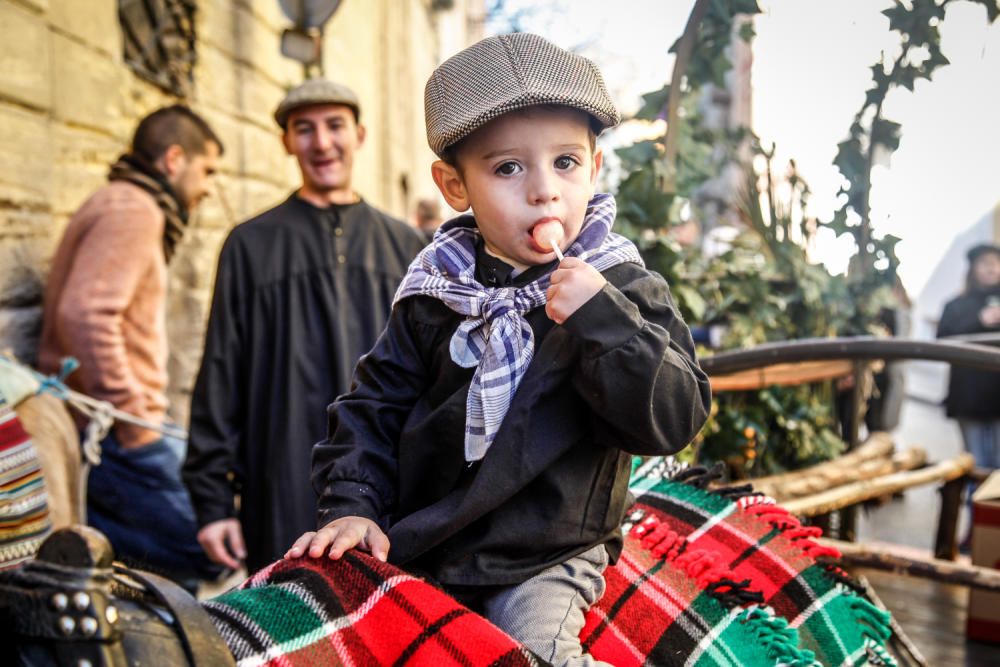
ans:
x=574 y=283
x=340 y=536
x=223 y=542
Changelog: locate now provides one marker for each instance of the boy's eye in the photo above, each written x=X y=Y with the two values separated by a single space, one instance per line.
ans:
x=508 y=168
x=565 y=162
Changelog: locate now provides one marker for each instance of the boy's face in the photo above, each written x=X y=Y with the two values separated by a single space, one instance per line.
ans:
x=520 y=170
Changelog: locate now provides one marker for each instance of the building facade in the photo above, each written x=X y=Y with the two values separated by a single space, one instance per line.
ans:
x=75 y=77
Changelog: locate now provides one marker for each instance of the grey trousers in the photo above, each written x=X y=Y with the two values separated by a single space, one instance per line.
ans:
x=545 y=613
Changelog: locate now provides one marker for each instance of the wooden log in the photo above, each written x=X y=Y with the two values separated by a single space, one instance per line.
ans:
x=856 y=492
x=870 y=460
x=834 y=477
x=950 y=572
x=790 y=484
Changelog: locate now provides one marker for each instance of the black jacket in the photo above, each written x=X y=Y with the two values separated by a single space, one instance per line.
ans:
x=301 y=293
x=972 y=394
x=619 y=377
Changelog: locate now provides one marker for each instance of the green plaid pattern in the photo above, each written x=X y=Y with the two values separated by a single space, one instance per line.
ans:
x=777 y=555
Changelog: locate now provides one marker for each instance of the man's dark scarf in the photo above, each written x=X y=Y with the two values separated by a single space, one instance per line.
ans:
x=137 y=171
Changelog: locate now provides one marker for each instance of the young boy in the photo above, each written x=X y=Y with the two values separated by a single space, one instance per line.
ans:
x=488 y=435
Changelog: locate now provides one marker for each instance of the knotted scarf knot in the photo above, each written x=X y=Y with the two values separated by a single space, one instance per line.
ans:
x=495 y=338
x=498 y=303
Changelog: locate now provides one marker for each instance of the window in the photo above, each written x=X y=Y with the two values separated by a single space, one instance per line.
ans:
x=159 y=41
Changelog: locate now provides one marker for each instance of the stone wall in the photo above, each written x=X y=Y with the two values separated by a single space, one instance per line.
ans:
x=69 y=104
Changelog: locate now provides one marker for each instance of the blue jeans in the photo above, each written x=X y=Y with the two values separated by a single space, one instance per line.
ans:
x=137 y=499
x=982 y=439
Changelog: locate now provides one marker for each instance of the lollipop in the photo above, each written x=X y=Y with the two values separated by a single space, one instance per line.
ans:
x=549 y=234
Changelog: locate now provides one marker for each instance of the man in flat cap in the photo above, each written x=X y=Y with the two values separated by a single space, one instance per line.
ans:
x=302 y=291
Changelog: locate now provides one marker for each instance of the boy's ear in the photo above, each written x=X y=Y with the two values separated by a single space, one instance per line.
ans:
x=598 y=161
x=450 y=183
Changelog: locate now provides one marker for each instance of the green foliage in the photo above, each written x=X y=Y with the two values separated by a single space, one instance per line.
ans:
x=916 y=22
x=764 y=287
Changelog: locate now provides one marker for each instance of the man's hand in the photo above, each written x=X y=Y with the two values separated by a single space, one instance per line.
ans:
x=341 y=535
x=223 y=542
x=573 y=284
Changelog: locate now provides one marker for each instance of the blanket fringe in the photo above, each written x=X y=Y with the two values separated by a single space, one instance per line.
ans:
x=875 y=622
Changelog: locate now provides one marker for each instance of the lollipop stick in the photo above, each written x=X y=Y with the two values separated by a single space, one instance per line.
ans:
x=555 y=249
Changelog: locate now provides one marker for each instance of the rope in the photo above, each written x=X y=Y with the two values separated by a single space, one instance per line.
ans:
x=91 y=408
x=101 y=417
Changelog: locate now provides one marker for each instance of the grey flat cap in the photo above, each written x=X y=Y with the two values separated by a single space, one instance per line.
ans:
x=507 y=72
x=312 y=92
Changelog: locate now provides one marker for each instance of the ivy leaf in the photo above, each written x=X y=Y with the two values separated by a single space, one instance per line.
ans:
x=839 y=225
x=654 y=104
x=886 y=133
x=745 y=7
x=992 y=8
x=900 y=18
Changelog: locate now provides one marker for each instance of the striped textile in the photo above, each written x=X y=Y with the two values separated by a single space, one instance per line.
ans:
x=24 y=512
x=495 y=338
x=673 y=605
x=763 y=544
x=721 y=578
x=354 y=611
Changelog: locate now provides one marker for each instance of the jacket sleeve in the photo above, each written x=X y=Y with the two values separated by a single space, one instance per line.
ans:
x=355 y=469
x=112 y=261
x=638 y=372
x=210 y=469
x=960 y=316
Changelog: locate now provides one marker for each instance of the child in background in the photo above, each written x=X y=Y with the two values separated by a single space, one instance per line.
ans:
x=488 y=436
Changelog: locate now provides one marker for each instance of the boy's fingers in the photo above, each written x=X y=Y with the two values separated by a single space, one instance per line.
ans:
x=321 y=540
x=346 y=540
x=378 y=544
x=300 y=545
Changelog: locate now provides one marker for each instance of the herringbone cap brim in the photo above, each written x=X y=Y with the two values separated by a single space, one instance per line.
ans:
x=313 y=92
x=507 y=72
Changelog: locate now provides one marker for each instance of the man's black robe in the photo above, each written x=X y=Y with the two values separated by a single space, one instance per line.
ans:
x=301 y=293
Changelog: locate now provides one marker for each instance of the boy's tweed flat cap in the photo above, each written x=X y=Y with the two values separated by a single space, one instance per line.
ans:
x=312 y=92
x=507 y=72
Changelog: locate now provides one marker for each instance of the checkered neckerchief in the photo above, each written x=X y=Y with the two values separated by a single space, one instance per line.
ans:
x=495 y=338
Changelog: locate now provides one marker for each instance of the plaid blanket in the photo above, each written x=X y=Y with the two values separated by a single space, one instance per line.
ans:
x=764 y=545
x=354 y=611
x=670 y=604
x=706 y=579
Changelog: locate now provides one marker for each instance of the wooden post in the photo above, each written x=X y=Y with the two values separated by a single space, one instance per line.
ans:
x=849 y=514
x=974 y=576
x=945 y=543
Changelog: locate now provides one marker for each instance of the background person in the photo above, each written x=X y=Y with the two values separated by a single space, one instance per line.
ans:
x=105 y=305
x=974 y=395
x=302 y=291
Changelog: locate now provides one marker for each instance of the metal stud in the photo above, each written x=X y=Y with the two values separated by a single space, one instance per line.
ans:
x=81 y=600
x=60 y=601
x=67 y=625
x=111 y=613
x=84 y=663
x=88 y=626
